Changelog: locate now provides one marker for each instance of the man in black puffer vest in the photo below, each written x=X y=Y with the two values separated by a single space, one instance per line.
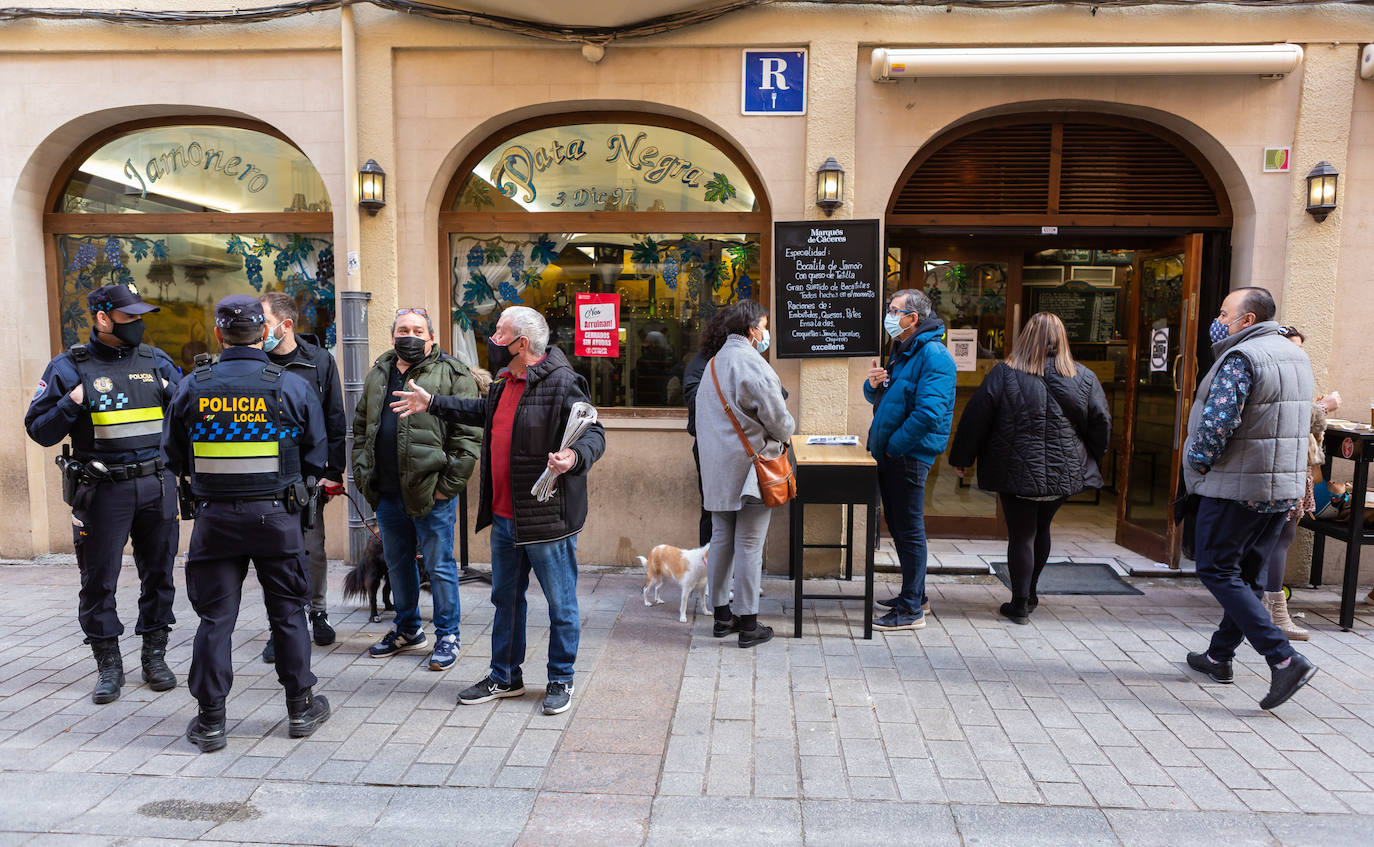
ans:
x=524 y=417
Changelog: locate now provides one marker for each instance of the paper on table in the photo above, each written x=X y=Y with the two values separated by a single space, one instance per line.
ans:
x=833 y=440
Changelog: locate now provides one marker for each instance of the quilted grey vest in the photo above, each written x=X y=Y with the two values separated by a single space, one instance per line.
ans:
x=1266 y=458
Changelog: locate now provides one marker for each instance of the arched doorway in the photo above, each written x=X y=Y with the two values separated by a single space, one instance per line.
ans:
x=189 y=210
x=660 y=214
x=1117 y=225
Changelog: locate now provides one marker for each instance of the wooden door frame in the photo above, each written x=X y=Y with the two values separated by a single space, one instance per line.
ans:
x=1146 y=542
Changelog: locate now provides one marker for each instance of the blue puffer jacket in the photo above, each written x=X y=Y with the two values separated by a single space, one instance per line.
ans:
x=914 y=411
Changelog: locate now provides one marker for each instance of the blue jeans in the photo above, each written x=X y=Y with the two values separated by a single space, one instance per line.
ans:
x=1233 y=546
x=902 y=484
x=432 y=536
x=555 y=565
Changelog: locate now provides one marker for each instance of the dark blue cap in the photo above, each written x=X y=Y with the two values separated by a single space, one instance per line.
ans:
x=123 y=297
x=239 y=310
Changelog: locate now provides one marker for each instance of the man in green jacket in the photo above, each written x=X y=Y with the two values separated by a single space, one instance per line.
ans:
x=411 y=469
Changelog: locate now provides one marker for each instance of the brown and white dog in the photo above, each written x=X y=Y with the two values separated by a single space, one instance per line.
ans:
x=685 y=567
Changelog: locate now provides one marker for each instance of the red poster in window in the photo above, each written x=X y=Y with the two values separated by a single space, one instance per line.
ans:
x=597 y=325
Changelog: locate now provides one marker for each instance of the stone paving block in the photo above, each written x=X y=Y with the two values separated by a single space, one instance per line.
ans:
x=1137 y=766
x=954 y=759
x=1267 y=800
x=939 y=724
x=1078 y=746
x=698 y=820
x=331 y=813
x=389 y=764
x=1107 y=786
x=730 y=775
x=989 y=825
x=426 y=775
x=872 y=788
x=607 y=773
x=580 y=819
x=1010 y=782
x=451 y=816
x=976 y=791
x=823 y=777
x=1065 y=794
x=1161 y=829
x=1168 y=798
x=856 y=722
x=478 y=766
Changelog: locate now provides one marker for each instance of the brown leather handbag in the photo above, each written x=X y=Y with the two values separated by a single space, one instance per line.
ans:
x=777 y=482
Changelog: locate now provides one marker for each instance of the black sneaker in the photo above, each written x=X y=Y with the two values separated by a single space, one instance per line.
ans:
x=490 y=689
x=395 y=642
x=269 y=653
x=557 y=697
x=320 y=628
x=1218 y=671
x=720 y=629
x=1285 y=682
x=756 y=636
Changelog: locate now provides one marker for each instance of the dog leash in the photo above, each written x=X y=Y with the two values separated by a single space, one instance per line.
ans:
x=359 y=510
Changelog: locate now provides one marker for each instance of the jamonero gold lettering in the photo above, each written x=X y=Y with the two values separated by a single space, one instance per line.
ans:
x=233 y=404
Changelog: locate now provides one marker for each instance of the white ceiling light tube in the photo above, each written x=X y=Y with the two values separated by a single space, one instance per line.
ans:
x=1203 y=60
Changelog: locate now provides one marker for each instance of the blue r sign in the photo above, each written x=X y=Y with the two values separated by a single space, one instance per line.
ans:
x=774 y=82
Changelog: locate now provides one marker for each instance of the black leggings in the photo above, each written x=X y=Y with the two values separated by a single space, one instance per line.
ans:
x=1028 y=540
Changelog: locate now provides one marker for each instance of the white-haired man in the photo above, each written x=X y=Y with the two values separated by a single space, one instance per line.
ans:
x=524 y=416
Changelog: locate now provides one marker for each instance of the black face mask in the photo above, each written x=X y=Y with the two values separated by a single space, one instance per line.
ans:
x=130 y=333
x=410 y=348
x=498 y=356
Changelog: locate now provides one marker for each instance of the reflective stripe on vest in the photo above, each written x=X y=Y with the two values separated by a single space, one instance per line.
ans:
x=242 y=457
x=127 y=423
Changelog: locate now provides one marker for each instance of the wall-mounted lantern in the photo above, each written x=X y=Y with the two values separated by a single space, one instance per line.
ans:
x=371 y=187
x=1321 y=191
x=830 y=186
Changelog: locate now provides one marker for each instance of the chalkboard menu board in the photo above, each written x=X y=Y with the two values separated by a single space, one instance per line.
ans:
x=1088 y=313
x=828 y=288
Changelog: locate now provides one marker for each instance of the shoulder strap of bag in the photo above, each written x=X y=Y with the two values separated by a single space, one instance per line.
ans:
x=744 y=439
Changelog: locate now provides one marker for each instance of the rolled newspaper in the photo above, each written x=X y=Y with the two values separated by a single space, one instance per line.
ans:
x=582 y=416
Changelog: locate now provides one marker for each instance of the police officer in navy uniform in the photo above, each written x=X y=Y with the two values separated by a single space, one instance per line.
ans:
x=250 y=437
x=108 y=396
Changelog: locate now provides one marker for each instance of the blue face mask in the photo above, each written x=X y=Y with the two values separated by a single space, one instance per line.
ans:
x=892 y=324
x=762 y=344
x=1219 y=331
x=270 y=343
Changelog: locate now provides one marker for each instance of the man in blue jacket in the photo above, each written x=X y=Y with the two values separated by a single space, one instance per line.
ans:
x=913 y=411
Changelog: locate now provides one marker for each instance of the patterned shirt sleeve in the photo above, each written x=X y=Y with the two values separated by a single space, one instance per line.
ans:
x=1221 y=411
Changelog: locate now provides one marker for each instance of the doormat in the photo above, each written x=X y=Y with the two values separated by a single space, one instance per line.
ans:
x=1074 y=578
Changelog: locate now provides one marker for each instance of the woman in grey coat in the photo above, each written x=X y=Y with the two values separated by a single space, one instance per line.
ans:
x=730 y=490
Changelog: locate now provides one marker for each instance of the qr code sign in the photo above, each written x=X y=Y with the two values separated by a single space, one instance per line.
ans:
x=962 y=349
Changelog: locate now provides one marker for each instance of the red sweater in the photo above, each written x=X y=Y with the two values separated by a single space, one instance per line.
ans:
x=502 y=425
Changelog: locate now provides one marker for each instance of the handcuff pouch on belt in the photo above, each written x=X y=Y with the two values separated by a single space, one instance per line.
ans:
x=300 y=498
x=78 y=478
x=186 y=500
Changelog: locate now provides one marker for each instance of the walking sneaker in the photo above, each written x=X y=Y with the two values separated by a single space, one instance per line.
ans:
x=891 y=603
x=897 y=619
x=320 y=628
x=1277 y=605
x=1284 y=682
x=395 y=642
x=557 y=697
x=1218 y=671
x=445 y=653
x=490 y=689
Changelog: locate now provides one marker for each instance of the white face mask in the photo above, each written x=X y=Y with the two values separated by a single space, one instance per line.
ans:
x=272 y=340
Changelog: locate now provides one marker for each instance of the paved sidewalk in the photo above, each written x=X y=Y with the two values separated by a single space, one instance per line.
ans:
x=1084 y=727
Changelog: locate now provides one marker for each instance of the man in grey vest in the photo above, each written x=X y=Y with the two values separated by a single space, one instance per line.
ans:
x=1246 y=459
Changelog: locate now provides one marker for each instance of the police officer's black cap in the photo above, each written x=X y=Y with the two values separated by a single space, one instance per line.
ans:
x=239 y=310
x=123 y=297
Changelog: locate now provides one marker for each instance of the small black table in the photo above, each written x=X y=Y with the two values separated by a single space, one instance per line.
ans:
x=1353 y=442
x=833 y=475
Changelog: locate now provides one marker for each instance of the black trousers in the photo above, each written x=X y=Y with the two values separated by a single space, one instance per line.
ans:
x=143 y=510
x=1233 y=546
x=227 y=536
x=1028 y=540
x=704 y=521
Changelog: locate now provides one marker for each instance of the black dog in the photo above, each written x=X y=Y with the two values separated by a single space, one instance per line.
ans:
x=370 y=576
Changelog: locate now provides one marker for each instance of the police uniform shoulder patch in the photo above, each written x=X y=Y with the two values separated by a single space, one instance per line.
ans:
x=38 y=392
x=103 y=384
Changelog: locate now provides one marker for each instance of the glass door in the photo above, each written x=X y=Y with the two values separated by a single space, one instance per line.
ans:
x=968 y=290
x=1159 y=395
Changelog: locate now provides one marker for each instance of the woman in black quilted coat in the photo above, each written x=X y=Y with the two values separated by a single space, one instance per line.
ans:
x=1037 y=428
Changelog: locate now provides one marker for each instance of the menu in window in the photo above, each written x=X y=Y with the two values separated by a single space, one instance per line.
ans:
x=828 y=288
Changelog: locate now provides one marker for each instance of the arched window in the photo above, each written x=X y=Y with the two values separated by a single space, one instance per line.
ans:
x=190 y=211
x=664 y=214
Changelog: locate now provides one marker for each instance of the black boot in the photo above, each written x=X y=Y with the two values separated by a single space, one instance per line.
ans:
x=726 y=623
x=751 y=632
x=1016 y=610
x=305 y=713
x=155 y=671
x=206 y=729
x=110 y=666
x=1032 y=602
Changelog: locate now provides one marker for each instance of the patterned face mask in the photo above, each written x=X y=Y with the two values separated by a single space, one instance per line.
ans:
x=1219 y=331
